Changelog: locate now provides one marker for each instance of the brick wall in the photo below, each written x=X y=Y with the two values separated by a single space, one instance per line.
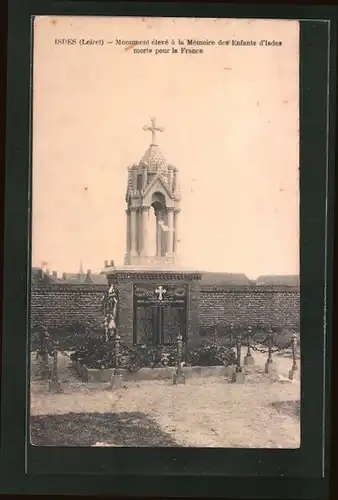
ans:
x=275 y=305
x=65 y=305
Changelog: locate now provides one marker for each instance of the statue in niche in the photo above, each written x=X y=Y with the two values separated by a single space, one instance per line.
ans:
x=109 y=306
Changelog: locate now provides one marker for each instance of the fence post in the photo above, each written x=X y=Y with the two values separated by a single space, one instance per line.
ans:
x=179 y=377
x=44 y=365
x=249 y=359
x=116 y=379
x=238 y=375
x=269 y=362
x=231 y=339
x=54 y=384
x=294 y=368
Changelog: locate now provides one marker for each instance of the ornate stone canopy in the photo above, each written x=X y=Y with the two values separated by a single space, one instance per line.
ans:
x=152 y=184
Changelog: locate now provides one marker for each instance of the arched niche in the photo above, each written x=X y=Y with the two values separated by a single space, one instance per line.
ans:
x=159 y=222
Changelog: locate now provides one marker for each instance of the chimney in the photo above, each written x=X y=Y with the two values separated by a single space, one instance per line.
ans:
x=112 y=263
x=47 y=272
x=105 y=263
x=64 y=276
x=55 y=274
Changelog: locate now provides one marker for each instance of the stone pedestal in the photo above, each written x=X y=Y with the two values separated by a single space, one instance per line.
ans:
x=179 y=378
x=238 y=378
x=138 y=290
x=249 y=360
x=294 y=374
x=270 y=367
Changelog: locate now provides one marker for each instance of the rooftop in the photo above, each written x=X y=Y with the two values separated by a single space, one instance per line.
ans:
x=40 y=276
x=278 y=280
x=214 y=278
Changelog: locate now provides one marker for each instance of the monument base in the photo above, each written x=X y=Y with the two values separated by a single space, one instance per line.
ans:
x=151 y=295
x=136 y=260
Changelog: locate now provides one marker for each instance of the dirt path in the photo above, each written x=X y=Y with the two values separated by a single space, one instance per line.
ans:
x=262 y=412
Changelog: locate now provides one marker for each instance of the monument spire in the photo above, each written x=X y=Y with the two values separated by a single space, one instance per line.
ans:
x=153 y=129
x=153 y=207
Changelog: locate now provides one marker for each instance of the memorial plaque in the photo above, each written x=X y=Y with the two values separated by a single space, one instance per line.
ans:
x=159 y=313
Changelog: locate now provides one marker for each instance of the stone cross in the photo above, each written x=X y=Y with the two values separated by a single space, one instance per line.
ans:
x=160 y=291
x=153 y=130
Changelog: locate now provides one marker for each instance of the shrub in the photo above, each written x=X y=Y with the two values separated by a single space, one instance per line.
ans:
x=95 y=353
x=70 y=337
x=211 y=352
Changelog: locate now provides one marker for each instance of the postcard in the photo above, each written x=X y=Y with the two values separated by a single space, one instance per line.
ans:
x=165 y=291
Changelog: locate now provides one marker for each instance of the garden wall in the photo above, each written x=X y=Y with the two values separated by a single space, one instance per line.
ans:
x=66 y=308
x=277 y=306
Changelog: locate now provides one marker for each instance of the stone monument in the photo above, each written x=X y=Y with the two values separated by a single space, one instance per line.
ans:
x=152 y=189
x=158 y=299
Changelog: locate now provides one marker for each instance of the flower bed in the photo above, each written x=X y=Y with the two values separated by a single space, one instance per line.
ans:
x=91 y=375
x=96 y=354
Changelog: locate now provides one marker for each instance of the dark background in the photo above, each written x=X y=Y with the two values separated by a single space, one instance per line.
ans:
x=171 y=473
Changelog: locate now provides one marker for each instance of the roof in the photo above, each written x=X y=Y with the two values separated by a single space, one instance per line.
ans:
x=159 y=178
x=40 y=277
x=154 y=159
x=276 y=280
x=89 y=278
x=210 y=278
x=100 y=279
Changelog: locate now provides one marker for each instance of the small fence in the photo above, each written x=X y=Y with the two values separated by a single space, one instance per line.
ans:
x=231 y=355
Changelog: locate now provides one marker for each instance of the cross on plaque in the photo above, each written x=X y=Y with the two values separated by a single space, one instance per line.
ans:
x=153 y=130
x=160 y=291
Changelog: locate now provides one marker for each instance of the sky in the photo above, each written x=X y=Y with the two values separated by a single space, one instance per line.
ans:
x=231 y=127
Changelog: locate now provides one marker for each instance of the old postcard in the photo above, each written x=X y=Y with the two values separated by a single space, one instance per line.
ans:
x=164 y=296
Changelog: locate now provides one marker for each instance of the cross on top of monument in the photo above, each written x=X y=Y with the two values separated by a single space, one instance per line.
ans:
x=153 y=129
x=160 y=291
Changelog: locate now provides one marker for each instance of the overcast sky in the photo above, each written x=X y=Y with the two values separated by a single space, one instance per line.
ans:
x=231 y=127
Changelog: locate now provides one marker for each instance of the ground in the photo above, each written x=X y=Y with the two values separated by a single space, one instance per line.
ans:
x=206 y=412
